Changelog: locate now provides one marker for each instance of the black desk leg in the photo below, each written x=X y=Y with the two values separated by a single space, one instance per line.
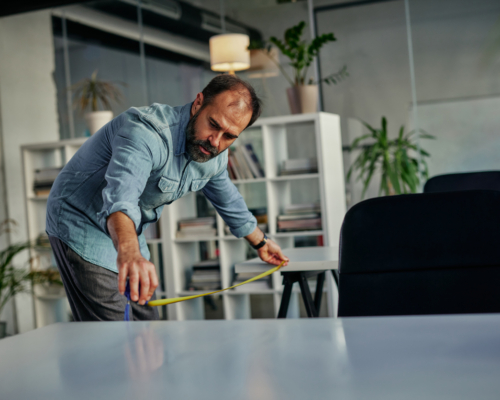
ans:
x=285 y=298
x=320 y=280
x=307 y=297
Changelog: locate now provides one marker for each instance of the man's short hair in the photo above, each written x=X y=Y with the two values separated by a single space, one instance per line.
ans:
x=221 y=83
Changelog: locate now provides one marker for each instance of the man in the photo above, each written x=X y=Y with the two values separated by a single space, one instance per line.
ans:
x=120 y=179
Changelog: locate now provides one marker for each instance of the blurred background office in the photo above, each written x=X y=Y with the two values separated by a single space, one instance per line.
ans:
x=430 y=66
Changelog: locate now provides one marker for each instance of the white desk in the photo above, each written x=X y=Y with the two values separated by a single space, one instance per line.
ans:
x=301 y=259
x=304 y=262
x=436 y=357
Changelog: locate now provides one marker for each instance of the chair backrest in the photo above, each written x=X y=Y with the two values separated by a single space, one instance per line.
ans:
x=485 y=180
x=436 y=253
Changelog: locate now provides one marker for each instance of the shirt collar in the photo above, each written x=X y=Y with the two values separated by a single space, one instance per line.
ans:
x=184 y=120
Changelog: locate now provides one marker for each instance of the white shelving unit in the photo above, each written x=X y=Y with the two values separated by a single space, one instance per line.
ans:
x=277 y=138
x=274 y=139
x=50 y=306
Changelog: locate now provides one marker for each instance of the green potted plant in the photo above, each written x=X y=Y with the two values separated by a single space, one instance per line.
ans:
x=93 y=98
x=13 y=280
x=303 y=93
x=391 y=158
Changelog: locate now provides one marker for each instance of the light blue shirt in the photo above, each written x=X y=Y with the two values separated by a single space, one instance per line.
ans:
x=136 y=164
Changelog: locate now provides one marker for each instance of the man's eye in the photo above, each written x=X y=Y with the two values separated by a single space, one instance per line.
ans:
x=213 y=125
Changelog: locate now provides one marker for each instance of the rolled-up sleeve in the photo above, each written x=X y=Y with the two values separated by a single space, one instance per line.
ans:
x=133 y=158
x=230 y=204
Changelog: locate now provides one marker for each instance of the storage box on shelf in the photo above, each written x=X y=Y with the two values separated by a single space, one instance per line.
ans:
x=293 y=166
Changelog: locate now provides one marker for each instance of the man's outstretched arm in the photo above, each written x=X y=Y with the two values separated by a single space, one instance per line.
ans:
x=130 y=261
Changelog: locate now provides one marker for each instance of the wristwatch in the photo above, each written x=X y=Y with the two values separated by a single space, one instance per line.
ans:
x=261 y=244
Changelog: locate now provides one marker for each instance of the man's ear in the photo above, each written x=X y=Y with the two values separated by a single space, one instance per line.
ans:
x=198 y=102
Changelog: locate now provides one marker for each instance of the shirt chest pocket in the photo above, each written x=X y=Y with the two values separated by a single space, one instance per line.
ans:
x=168 y=188
x=198 y=184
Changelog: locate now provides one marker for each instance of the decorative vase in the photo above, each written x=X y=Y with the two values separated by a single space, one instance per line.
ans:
x=97 y=119
x=303 y=99
x=3 y=329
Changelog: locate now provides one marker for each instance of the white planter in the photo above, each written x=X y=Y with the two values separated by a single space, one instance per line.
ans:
x=303 y=99
x=97 y=119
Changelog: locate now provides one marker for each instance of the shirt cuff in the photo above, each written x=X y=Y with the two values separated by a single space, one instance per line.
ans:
x=129 y=209
x=246 y=229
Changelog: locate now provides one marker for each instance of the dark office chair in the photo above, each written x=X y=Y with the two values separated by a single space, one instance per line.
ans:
x=485 y=180
x=436 y=253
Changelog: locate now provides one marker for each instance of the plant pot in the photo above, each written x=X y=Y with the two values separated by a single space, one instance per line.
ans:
x=97 y=119
x=303 y=99
x=3 y=329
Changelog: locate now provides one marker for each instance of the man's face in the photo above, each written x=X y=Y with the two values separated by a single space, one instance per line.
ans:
x=213 y=128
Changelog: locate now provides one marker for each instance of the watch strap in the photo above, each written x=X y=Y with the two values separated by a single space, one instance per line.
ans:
x=261 y=244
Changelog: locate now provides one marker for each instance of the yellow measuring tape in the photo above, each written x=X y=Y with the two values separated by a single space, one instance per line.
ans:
x=164 y=302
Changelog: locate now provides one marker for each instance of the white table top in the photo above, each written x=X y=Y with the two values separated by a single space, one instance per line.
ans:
x=431 y=357
x=301 y=259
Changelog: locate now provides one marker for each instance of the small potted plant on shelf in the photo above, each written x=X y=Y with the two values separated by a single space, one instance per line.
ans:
x=303 y=93
x=93 y=98
x=392 y=158
x=14 y=280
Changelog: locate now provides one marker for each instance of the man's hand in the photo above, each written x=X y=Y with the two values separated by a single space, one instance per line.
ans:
x=130 y=261
x=270 y=252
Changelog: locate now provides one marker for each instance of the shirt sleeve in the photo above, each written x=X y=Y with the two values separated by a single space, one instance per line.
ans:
x=135 y=153
x=230 y=204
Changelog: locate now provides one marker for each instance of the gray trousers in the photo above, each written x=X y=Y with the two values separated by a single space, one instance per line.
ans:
x=93 y=290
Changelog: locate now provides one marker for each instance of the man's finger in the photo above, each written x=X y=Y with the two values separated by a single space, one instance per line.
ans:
x=144 y=287
x=134 y=285
x=122 y=279
x=153 y=282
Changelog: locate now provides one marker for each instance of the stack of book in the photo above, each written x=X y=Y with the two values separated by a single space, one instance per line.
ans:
x=42 y=241
x=195 y=227
x=243 y=163
x=299 y=166
x=261 y=284
x=205 y=276
x=260 y=215
x=44 y=179
x=300 y=217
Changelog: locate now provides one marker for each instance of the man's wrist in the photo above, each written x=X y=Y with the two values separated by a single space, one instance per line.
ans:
x=261 y=244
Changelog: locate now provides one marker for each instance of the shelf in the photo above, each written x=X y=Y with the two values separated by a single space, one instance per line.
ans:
x=38 y=198
x=42 y=248
x=297 y=233
x=186 y=293
x=197 y=239
x=294 y=177
x=252 y=292
x=256 y=180
x=153 y=241
x=50 y=297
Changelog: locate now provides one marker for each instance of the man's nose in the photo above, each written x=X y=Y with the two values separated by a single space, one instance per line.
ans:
x=215 y=140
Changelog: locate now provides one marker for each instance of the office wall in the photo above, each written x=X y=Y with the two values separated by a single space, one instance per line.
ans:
x=454 y=58
x=28 y=113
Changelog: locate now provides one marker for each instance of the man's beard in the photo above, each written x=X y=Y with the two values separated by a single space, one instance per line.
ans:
x=193 y=145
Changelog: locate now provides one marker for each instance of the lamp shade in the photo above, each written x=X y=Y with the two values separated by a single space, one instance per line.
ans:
x=229 y=52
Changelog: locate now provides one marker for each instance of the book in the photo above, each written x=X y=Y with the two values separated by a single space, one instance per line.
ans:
x=194 y=234
x=255 y=159
x=254 y=168
x=244 y=168
x=303 y=208
x=300 y=225
x=292 y=217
